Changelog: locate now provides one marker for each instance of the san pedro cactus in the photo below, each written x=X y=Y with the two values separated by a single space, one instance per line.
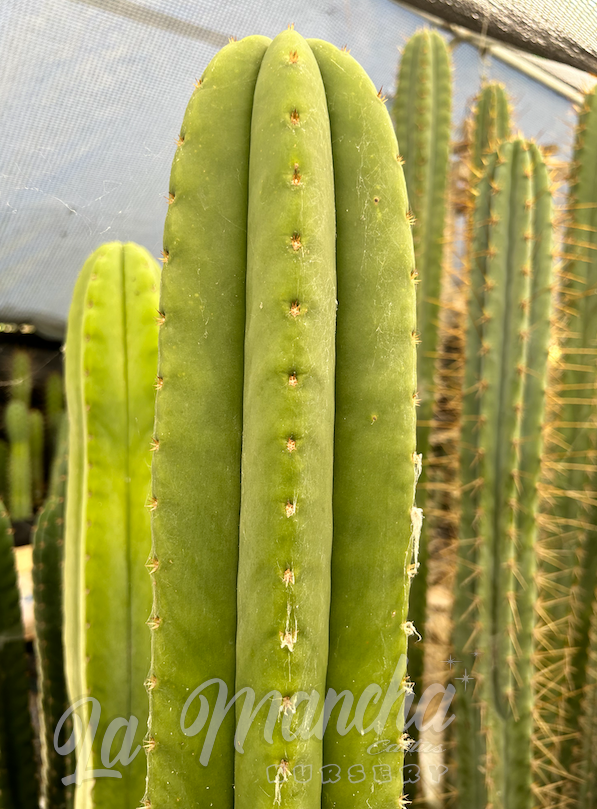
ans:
x=490 y=124
x=504 y=395
x=22 y=378
x=569 y=564
x=421 y=113
x=36 y=455
x=18 y=777
x=53 y=409
x=48 y=552
x=249 y=344
x=111 y=357
x=16 y=417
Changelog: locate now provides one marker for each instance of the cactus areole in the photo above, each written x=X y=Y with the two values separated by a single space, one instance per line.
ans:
x=281 y=563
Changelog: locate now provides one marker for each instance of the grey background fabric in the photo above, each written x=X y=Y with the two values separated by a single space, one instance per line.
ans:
x=92 y=94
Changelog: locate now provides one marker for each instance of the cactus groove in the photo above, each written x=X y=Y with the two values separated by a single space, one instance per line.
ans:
x=111 y=356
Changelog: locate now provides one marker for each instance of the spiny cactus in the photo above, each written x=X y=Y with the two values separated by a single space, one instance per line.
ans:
x=313 y=149
x=569 y=561
x=48 y=551
x=504 y=392
x=421 y=113
x=22 y=378
x=36 y=454
x=16 y=417
x=18 y=777
x=111 y=356
x=490 y=124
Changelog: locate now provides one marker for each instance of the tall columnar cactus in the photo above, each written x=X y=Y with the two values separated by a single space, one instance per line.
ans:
x=504 y=393
x=36 y=454
x=16 y=417
x=313 y=150
x=53 y=408
x=48 y=552
x=569 y=564
x=111 y=357
x=421 y=113
x=490 y=124
x=22 y=377
x=4 y=455
x=18 y=777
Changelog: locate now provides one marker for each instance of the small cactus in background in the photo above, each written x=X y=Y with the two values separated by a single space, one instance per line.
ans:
x=53 y=409
x=306 y=161
x=422 y=113
x=48 y=551
x=509 y=294
x=22 y=379
x=4 y=456
x=18 y=777
x=36 y=454
x=111 y=357
x=16 y=417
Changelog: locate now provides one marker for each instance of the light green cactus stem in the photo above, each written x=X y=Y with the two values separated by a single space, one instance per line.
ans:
x=196 y=471
x=48 y=551
x=375 y=524
x=519 y=733
x=22 y=377
x=490 y=125
x=288 y=417
x=571 y=535
x=421 y=115
x=53 y=408
x=111 y=359
x=19 y=789
x=36 y=454
x=4 y=455
x=16 y=417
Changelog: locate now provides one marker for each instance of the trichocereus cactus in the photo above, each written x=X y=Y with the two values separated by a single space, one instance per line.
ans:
x=507 y=345
x=18 y=428
x=53 y=409
x=250 y=343
x=18 y=776
x=421 y=114
x=110 y=365
x=569 y=560
x=490 y=124
x=48 y=552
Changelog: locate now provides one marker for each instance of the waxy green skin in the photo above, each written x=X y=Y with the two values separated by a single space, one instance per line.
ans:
x=36 y=453
x=375 y=427
x=491 y=124
x=22 y=379
x=196 y=471
x=283 y=619
x=530 y=452
x=53 y=409
x=48 y=552
x=111 y=357
x=18 y=777
x=16 y=417
x=422 y=117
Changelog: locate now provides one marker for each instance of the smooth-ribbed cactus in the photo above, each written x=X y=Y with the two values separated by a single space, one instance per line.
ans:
x=313 y=151
x=22 y=377
x=490 y=124
x=111 y=360
x=421 y=113
x=18 y=776
x=569 y=563
x=504 y=393
x=16 y=419
x=36 y=455
x=48 y=552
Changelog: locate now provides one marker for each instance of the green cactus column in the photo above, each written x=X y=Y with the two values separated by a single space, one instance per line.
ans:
x=36 y=454
x=48 y=552
x=490 y=124
x=18 y=786
x=16 y=417
x=288 y=417
x=22 y=377
x=111 y=360
x=422 y=117
x=376 y=526
x=196 y=465
x=53 y=409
